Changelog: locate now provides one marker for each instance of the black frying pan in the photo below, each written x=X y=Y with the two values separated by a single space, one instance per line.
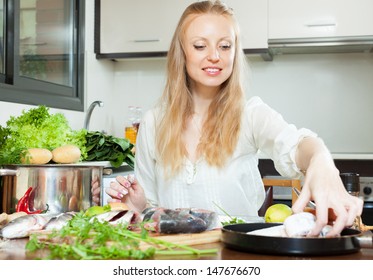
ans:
x=235 y=237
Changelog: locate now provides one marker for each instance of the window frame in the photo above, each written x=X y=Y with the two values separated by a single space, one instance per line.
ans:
x=23 y=90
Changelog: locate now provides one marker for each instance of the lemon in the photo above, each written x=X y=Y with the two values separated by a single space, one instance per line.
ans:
x=96 y=210
x=277 y=213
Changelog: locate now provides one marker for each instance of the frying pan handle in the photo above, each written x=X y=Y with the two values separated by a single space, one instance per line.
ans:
x=366 y=240
x=9 y=172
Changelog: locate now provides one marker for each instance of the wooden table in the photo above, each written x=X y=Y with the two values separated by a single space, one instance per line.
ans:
x=15 y=251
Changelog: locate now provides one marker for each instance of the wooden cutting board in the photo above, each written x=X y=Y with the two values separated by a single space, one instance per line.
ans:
x=210 y=236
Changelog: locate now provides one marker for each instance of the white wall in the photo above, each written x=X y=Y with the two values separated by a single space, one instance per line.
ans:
x=331 y=94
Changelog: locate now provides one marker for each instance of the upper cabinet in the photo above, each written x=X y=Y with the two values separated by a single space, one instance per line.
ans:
x=144 y=28
x=140 y=26
x=319 y=18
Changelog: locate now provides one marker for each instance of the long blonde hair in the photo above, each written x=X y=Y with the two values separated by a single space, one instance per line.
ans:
x=222 y=126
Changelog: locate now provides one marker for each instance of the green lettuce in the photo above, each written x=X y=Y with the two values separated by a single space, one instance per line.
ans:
x=37 y=128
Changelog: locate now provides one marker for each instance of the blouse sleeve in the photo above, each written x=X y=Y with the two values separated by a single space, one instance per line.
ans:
x=275 y=137
x=145 y=157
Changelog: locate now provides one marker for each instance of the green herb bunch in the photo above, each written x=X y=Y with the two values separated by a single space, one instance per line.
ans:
x=85 y=239
x=103 y=147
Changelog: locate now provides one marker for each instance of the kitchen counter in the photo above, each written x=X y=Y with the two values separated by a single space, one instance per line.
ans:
x=14 y=250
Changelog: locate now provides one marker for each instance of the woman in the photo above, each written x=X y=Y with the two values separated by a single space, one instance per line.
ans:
x=199 y=146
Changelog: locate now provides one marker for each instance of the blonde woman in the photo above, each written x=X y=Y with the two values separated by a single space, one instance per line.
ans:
x=199 y=146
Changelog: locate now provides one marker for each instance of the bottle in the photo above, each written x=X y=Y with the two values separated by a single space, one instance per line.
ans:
x=136 y=121
x=351 y=182
x=130 y=131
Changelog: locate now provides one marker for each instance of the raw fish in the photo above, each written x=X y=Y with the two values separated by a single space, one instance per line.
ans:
x=23 y=226
x=181 y=220
x=277 y=231
x=58 y=222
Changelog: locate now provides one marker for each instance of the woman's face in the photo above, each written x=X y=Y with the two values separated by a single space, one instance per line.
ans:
x=209 y=50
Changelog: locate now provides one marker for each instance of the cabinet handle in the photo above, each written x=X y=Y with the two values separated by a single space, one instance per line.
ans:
x=321 y=23
x=146 y=40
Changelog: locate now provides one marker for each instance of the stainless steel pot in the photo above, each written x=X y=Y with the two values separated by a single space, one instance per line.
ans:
x=60 y=187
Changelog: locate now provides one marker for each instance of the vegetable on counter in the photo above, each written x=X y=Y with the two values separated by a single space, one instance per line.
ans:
x=38 y=137
x=36 y=156
x=66 y=154
x=25 y=203
x=103 y=147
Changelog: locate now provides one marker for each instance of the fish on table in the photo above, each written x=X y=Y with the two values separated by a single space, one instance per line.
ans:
x=180 y=220
x=23 y=226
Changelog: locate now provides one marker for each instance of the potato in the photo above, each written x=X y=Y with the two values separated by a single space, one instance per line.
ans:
x=36 y=156
x=66 y=154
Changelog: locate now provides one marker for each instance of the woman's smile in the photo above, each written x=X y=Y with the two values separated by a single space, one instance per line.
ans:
x=212 y=71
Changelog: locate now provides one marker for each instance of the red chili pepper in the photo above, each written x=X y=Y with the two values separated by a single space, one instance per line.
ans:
x=23 y=204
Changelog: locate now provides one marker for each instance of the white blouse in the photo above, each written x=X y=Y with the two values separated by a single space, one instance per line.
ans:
x=237 y=188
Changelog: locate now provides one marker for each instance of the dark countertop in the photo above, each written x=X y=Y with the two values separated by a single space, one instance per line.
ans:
x=14 y=250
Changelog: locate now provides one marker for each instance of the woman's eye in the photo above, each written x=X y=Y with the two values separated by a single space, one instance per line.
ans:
x=226 y=47
x=199 y=47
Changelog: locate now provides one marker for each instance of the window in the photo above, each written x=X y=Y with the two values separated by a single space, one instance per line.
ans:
x=2 y=40
x=42 y=52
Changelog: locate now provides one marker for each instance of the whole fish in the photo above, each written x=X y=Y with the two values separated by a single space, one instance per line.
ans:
x=23 y=226
x=180 y=220
x=59 y=221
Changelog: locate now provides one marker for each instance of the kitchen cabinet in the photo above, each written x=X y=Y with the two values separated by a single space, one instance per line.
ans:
x=319 y=18
x=142 y=28
x=139 y=26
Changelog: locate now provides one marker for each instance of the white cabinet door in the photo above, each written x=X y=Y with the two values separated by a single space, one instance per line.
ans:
x=252 y=16
x=319 y=18
x=129 y=26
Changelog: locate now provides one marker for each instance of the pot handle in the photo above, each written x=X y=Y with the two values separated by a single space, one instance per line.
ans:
x=9 y=172
x=366 y=240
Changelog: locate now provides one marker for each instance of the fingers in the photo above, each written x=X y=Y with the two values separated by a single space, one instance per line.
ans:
x=120 y=187
x=96 y=192
x=113 y=200
x=301 y=201
x=343 y=214
x=321 y=221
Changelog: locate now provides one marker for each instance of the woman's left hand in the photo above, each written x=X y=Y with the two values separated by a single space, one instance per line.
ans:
x=324 y=186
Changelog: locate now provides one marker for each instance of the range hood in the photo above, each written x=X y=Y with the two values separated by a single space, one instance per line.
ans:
x=356 y=44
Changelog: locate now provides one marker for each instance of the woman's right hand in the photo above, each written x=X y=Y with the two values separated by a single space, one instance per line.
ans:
x=128 y=191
